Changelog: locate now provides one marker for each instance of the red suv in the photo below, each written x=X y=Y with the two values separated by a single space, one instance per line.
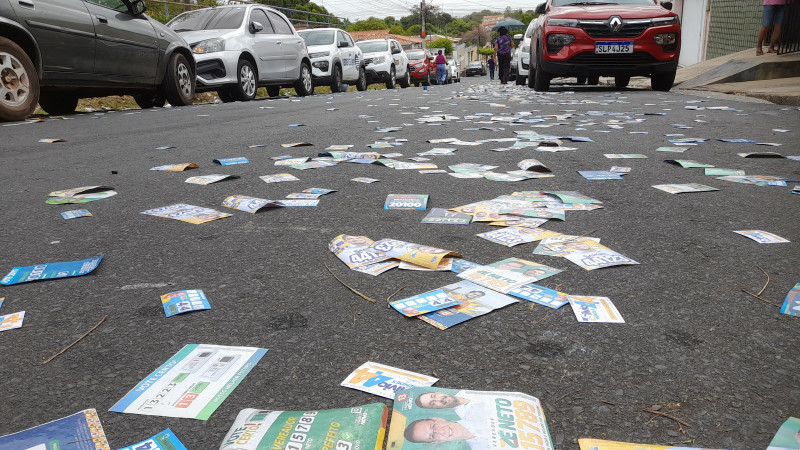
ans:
x=423 y=69
x=619 y=38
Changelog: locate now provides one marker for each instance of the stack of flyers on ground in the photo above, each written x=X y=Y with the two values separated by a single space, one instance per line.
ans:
x=762 y=237
x=440 y=215
x=385 y=381
x=180 y=302
x=430 y=301
x=11 y=321
x=208 y=179
x=51 y=271
x=683 y=188
x=80 y=431
x=418 y=202
x=600 y=444
x=475 y=301
x=360 y=427
x=791 y=304
x=594 y=309
x=515 y=235
x=76 y=213
x=508 y=274
x=787 y=437
x=193 y=383
x=176 y=167
x=279 y=177
x=428 y=417
x=251 y=205
x=187 y=213
x=166 y=440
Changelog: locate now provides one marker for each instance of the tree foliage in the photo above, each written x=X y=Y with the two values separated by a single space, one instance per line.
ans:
x=444 y=43
x=476 y=36
x=486 y=51
x=373 y=23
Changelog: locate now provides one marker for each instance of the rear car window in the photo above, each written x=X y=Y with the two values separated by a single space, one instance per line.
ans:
x=279 y=23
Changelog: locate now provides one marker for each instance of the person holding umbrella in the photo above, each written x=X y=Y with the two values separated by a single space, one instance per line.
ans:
x=502 y=52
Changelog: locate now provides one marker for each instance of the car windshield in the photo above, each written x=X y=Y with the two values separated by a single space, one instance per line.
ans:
x=372 y=47
x=209 y=19
x=320 y=37
x=474 y=64
x=602 y=2
x=415 y=54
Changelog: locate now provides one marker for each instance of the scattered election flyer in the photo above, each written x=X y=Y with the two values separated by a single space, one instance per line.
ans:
x=417 y=202
x=51 y=271
x=180 y=302
x=251 y=205
x=533 y=165
x=298 y=202
x=193 y=383
x=600 y=444
x=475 y=301
x=787 y=437
x=80 y=431
x=429 y=417
x=385 y=381
x=360 y=251
x=318 y=191
x=683 y=188
x=791 y=304
x=597 y=257
x=687 y=164
x=208 y=179
x=279 y=177
x=83 y=194
x=187 y=213
x=12 y=321
x=595 y=175
x=511 y=236
x=625 y=156
x=76 y=213
x=166 y=440
x=508 y=274
x=51 y=140
x=443 y=216
x=232 y=161
x=79 y=190
x=762 y=237
x=297 y=144
x=541 y=295
x=176 y=167
x=360 y=427
x=594 y=309
x=714 y=172
x=430 y=301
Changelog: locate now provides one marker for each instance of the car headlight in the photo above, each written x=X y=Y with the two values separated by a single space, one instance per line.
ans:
x=664 y=20
x=378 y=60
x=209 y=46
x=562 y=22
x=557 y=41
x=319 y=54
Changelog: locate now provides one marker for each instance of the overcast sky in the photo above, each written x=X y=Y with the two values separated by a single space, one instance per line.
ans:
x=360 y=9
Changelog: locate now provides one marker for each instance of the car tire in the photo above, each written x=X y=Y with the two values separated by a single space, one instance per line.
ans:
x=19 y=83
x=581 y=80
x=274 y=91
x=520 y=80
x=662 y=81
x=406 y=80
x=392 y=81
x=427 y=80
x=531 y=76
x=361 y=83
x=542 y=81
x=150 y=99
x=179 y=81
x=57 y=103
x=336 y=79
x=593 y=80
x=246 y=81
x=304 y=85
x=622 y=81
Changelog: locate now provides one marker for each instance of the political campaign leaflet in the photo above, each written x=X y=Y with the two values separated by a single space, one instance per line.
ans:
x=303 y=195
x=385 y=381
x=445 y=265
x=594 y=309
x=433 y=171
x=1 y=301
x=279 y=177
x=79 y=190
x=503 y=177
x=620 y=170
x=682 y=188
x=787 y=437
x=594 y=175
x=541 y=295
x=470 y=167
x=401 y=165
x=166 y=440
x=597 y=257
x=430 y=301
x=511 y=236
x=313 y=165
x=354 y=250
x=421 y=255
x=298 y=202
x=291 y=161
x=180 y=302
x=297 y=144
x=337 y=147
x=51 y=271
x=76 y=213
x=758 y=180
x=232 y=161
x=791 y=304
x=378 y=268
x=11 y=321
x=187 y=213
x=360 y=427
x=625 y=156
x=533 y=165
x=515 y=221
x=475 y=301
x=443 y=216
x=796 y=189
x=208 y=179
x=540 y=213
x=466 y=175
x=687 y=141
x=600 y=444
x=343 y=155
x=80 y=431
x=714 y=172
x=176 y=167
x=416 y=202
x=429 y=417
x=251 y=205
x=51 y=140
x=672 y=149
x=364 y=180
x=193 y=383
x=320 y=191
x=687 y=164
x=528 y=175
x=762 y=237
x=80 y=198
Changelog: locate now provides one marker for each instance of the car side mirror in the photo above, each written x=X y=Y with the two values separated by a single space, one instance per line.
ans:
x=517 y=36
x=540 y=9
x=137 y=7
x=343 y=44
x=396 y=51
x=255 y=27
x=667 y=5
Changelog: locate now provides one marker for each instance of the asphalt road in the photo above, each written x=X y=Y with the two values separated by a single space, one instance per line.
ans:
x=692 y=343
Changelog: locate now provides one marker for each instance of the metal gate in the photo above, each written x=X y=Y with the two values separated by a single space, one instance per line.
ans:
x=790 y=31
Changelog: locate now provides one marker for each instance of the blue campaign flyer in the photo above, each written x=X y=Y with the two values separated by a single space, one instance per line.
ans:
x=791 y=305
x=599 y=175
x=232 y=161
x=427 y=302
x=541 y=295
x=80 y=431
x=180 y=302
x=166 y=440
x=51 y=271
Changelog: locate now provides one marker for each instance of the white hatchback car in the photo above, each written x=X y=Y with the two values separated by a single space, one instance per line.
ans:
x=524 y=55
x=240 y=48
x=335 y=58
x=386 y=62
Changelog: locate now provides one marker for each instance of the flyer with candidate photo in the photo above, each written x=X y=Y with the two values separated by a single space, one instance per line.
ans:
x=180 y=302
x=430 y=301
x=385 y=381
x=475 y=301
x=80 y=431
x=508 y=274
x=193 y=383
x=357 y=428
x=187 y=213
x=594 y=309
x=433 y=418
x=51 y=271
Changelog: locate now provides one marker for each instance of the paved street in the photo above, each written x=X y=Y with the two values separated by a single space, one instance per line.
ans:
x=693 y=345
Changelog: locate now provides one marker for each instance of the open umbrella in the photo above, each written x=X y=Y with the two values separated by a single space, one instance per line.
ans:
x=511 y=24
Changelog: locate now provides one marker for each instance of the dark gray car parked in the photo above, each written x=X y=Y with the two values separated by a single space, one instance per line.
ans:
x=56 y=51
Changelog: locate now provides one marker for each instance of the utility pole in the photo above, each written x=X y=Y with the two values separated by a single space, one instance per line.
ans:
x=422 y=11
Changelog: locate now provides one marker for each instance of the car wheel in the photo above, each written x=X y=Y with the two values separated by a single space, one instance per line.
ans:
x=542 y=81
x=58 y=103
x=247 y=81
x=336 y=79
x=390 y=83
x=593 y=80
x=581 y=80
x=179 y=81
x=150 y=99
x=427 y=80
x=304 y=86
x=19 y=83
x=662 y=81
x=273 y=91
x=406 y=80
x=622 y=81
x=531 y=75
x=361 y=83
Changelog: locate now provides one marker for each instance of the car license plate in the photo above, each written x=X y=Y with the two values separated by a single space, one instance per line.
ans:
x=613 y=47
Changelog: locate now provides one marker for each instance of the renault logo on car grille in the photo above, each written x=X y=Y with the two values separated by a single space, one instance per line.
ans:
x=615 y=24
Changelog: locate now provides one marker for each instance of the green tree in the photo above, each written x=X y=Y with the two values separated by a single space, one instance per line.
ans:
x=444 y=43
x=457 y=26
x=397 y=29
x=373 y=23
x=486 y=51
x=414 y=30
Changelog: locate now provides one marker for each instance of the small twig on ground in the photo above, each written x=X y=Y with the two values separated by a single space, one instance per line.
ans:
x=758 y=296
x=76 y=341
x=659 y=413
x=608 y=403
x=765 y=284
x=348 y=287
x=565 y=395
x=389 y=298
x=765 y=301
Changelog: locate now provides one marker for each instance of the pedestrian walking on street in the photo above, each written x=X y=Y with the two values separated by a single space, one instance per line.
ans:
x=502 y=51
x=771 y=17
x=491 y=68
x=441 y=68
